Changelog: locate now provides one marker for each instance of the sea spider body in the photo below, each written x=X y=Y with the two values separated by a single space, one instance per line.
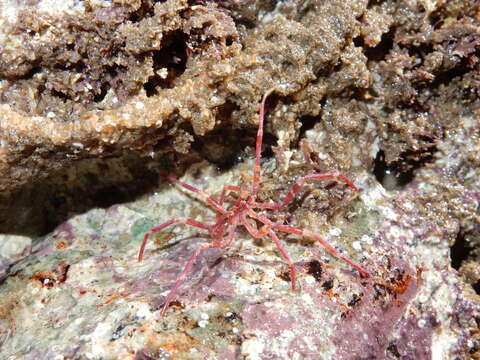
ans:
x=245 y=212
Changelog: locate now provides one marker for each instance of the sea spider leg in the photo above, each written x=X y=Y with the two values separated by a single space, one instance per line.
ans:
x=305 y=233
x=337 y=174
x=252 y=229
x=263 y=231
x=286 y=257
x=160 y=227
x=298 y=185
x=258 y=145
x=228 y=188
x=204 y=195
x=308 y=234
x=188 y=266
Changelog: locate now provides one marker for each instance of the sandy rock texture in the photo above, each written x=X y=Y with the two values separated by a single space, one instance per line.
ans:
x=97 y=98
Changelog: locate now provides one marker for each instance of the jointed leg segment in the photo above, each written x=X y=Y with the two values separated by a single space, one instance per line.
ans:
x=297 y=187
x=158 y=228
x=287 y=258
x=204 y=195
x=308 y=234
x=218 y=243
x=224 y=192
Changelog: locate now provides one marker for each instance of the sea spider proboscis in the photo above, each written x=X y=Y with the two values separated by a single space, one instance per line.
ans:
x=247 y=212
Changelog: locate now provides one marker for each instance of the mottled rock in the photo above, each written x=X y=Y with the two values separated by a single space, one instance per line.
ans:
x=386 y=92
x=93 y=299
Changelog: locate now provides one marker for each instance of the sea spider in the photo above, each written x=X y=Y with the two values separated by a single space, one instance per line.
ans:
x=242 y=212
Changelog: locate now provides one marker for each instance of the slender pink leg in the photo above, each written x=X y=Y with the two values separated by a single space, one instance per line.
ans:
x=204 y=195
x=253 y=229
x=221 y=217
x=267 y=229
x=188 y=267
x=298 y=185
x=158 y=228
x=258 y=147
x=230 y=234
x=326 y=245
x=286 y=257
x=260 y=217
x=330 y=176
x=224 y=192
x=218 y=229
x=182 y=276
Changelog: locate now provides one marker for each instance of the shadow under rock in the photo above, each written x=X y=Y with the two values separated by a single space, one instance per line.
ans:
x=35 y=209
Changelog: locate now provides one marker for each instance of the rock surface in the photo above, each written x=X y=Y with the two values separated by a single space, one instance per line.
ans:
x=82 y=294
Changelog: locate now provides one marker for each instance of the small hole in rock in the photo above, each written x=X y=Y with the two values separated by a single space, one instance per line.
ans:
x=314 y=268
x=476 y=287
x=358 y=41
x=392 y=348
x=103 y=92
x=146 y=10
x=401 y=172
x=379 y=52
x=459 y=251
x=60 y=95
x=327 y=285
x=308 y=122
x=168 y=63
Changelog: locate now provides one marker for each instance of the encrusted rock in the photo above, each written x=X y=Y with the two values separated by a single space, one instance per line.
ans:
x=98 y=97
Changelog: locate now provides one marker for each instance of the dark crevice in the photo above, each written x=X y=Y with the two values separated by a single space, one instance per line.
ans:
x=145 y=10
x=247 y=23
x=308 y=122
x=227 y=145
x=168 y=63
x=37 y=208
x=459 y=251
x=401 y=172
x=327 y=70
x=60 y=95
x=123 y=192
x=113 y=74
x=421 y=51
x=382 y=49
x=78 y=67
x=373 y=3
x=358 y=41
x=314 y=268
x=120 y=193
x=446 y=77
x=36 y=68
x=327 y=285
x=267 y=151
x=380 y=168
x=476 y=287
x=224 y=146
x=392 y=349
x=101 y=95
